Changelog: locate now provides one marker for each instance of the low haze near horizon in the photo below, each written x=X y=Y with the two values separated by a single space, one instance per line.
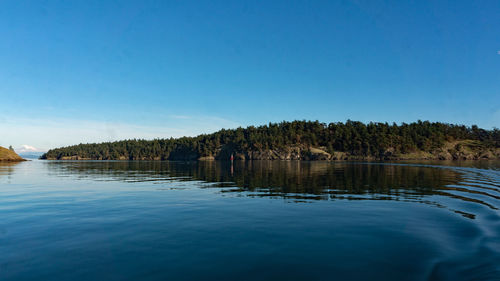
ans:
x=90 y=71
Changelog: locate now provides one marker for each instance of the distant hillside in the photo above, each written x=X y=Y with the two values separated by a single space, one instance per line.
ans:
x=9 y=155
x=305 y=140
x=31 y=155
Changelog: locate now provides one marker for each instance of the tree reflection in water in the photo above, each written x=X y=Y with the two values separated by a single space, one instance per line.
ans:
x=300 y=181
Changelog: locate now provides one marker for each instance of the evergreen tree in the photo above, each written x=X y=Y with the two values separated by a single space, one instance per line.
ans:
x=355 y=138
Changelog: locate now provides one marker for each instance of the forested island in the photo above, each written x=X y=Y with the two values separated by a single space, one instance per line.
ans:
x=305 y=140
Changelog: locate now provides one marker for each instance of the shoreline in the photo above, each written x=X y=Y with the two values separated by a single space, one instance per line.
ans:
x=284 y=160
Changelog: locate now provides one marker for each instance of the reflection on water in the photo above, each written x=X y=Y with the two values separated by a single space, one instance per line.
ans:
x=7 y=168
x=304 y=181
x=125 y=220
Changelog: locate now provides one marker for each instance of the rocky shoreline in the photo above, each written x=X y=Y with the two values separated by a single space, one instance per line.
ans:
x=459 y=150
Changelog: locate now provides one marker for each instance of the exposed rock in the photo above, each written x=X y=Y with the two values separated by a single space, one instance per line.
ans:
x=206 y=158
x=318 y=154
x=337 y=155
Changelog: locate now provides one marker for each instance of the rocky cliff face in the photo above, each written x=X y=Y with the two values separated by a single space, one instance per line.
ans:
x=459 y=150
x=467 y=150
x=288 y=153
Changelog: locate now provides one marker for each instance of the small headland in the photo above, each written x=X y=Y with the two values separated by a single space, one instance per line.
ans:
x=7 y=155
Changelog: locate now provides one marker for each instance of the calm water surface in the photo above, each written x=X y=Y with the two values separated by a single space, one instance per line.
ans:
x=250 y=221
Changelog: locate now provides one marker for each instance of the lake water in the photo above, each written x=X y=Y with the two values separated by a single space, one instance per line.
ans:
x=257 y=220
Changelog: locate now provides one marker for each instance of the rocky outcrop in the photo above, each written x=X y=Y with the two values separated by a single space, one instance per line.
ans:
x=467 y=150
x=458 y=150
x=288 y=153
x=206 y=158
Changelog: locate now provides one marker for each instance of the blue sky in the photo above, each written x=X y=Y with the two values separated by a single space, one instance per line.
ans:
x=91 y=71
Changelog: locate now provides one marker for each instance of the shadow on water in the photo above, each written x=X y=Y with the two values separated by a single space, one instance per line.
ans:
x=299 y=181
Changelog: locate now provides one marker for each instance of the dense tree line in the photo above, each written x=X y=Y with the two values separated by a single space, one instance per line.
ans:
x=355 y=138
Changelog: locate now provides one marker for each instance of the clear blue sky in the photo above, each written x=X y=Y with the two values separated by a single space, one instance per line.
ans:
x=86 y=71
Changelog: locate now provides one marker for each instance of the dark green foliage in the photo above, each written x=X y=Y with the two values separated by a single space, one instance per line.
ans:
x=355 y=138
